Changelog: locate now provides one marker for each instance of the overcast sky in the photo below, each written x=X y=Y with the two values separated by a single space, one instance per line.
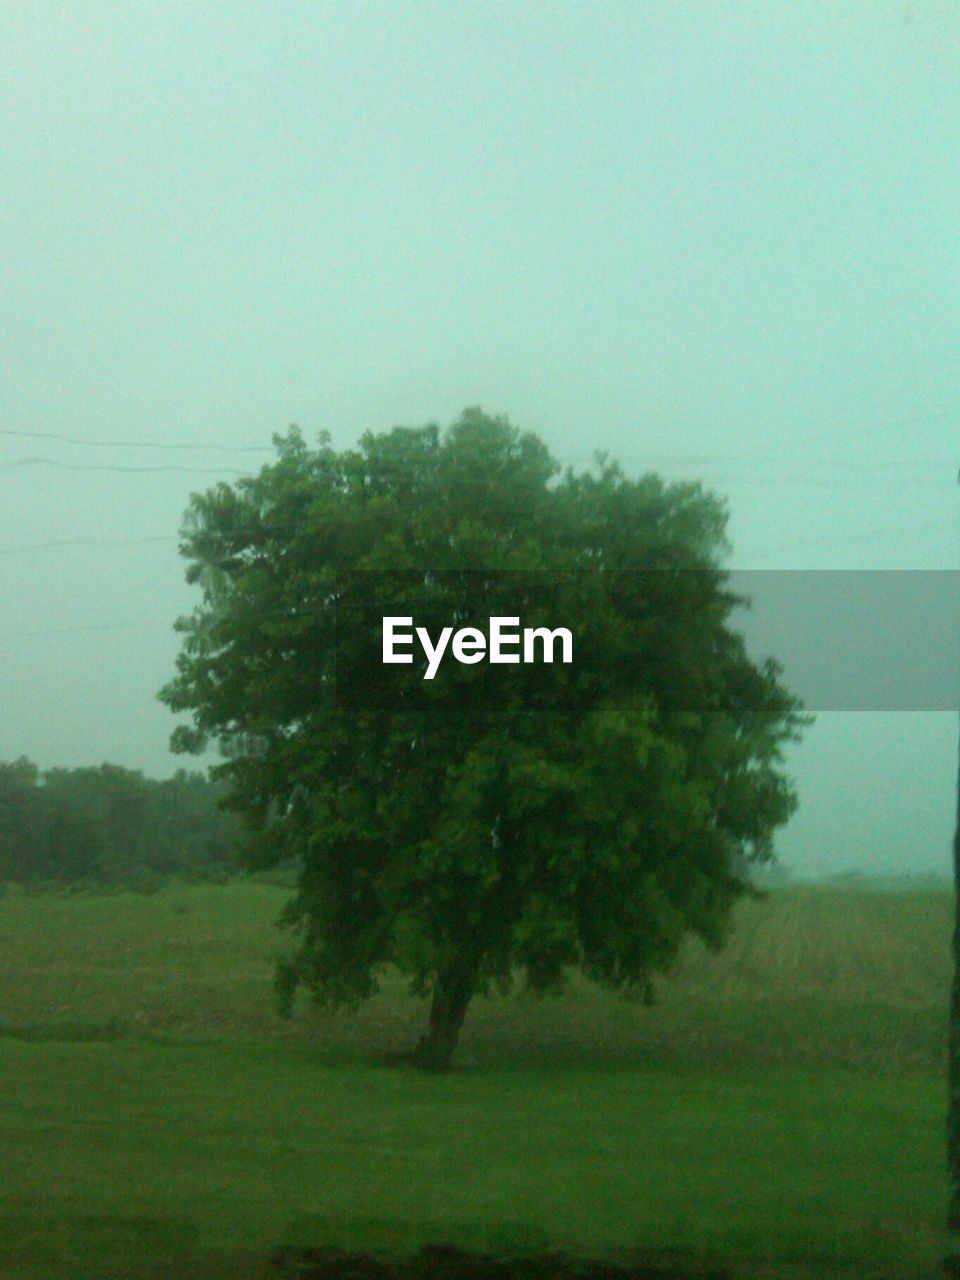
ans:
x=714 y=239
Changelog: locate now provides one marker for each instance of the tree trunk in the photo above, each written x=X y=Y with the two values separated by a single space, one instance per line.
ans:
x=953 y=1115
x=452 y=993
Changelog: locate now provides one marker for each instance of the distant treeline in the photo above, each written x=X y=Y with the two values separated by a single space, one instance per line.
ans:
x=109 y=825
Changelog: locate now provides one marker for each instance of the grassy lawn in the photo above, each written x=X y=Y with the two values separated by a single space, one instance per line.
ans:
x=782 y=1107
x=137 y=1147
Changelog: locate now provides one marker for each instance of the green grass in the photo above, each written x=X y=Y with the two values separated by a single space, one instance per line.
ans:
x=781 y=1106
x=811 y=976
x=214 y=1148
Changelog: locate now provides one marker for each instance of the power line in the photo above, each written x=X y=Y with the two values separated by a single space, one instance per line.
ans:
x=822 y=482
x=774 y=452
x=25 y=547
x=817 y=480
x=84 y=542
x=137 y=444
x=827 y=540
x=888 y=464
x=69 y=631
x=318 y=609
x=104 y=466
x=830 y=540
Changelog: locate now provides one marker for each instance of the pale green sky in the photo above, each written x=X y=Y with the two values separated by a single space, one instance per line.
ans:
x=719 y=239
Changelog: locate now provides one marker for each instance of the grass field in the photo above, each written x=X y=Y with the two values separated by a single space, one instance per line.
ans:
x=781 y=1107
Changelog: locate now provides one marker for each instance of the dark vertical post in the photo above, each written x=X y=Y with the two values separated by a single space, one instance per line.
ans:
x=953 y=1105
x=953 y=1113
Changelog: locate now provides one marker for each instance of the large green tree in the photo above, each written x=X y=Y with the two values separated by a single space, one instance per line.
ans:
x=495 y=821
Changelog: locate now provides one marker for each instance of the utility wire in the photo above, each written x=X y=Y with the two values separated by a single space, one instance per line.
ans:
x=104 y=466
x=874 y=535
x=773 y=453
x=83 y=542
x=704 y=460
x=304 y=611
x=826 y=540
x=888 y=464
x=69 y=631
x=776 y=452
x=137 y=444
x=817 y=480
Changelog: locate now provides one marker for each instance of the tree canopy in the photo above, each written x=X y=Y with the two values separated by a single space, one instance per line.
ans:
x=497 y=821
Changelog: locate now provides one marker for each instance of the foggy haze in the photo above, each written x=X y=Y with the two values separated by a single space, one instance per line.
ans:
x=715 y=241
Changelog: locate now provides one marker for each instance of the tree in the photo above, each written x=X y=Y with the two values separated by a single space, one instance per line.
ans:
x=21 y=820
x=109 y=825
x=497 y=820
